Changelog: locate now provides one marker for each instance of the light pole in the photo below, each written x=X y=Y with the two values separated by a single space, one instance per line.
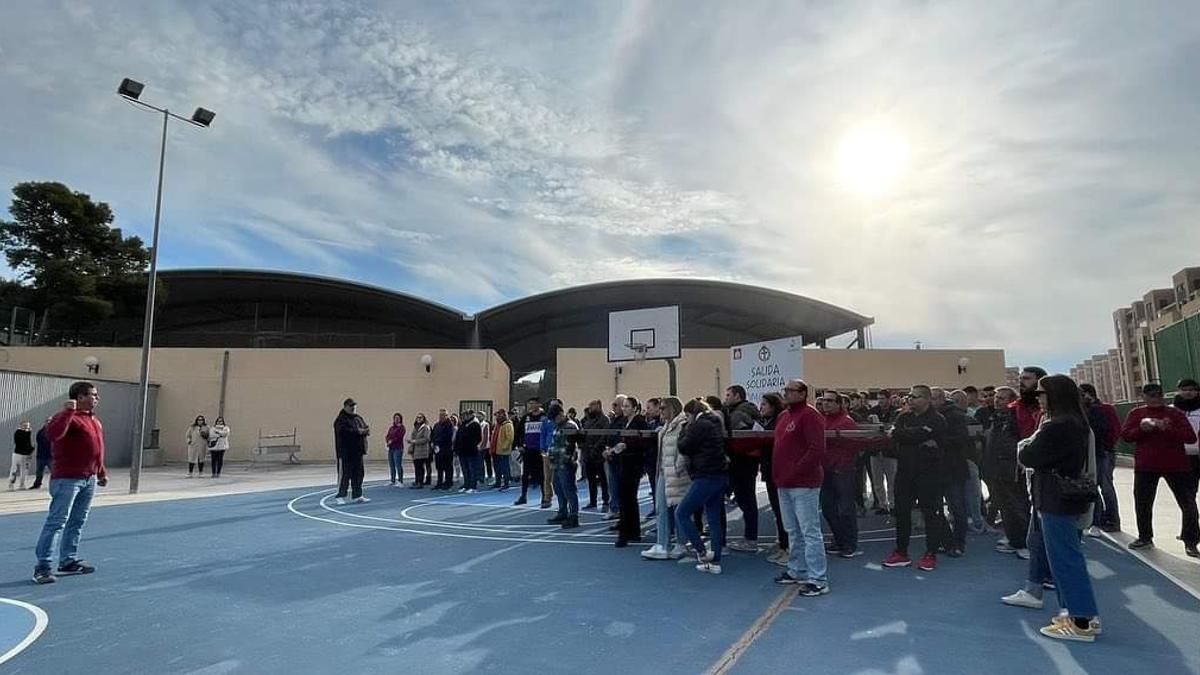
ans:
x=130 y=90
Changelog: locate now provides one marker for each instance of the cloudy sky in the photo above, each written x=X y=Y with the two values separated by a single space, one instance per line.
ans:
x=970 y=174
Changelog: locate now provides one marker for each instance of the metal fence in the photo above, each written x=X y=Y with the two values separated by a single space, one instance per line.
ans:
x=34 y=397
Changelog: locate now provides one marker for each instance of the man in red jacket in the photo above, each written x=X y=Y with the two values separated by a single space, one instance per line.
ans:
x=1160 y=433
x=1026 y=408
x=840 y=486
x=78 y=446
x=796 y=468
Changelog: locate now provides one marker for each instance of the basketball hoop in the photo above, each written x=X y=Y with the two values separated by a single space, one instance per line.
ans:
x=639 y=350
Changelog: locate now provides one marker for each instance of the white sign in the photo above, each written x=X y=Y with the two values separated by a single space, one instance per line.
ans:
x=764 y=367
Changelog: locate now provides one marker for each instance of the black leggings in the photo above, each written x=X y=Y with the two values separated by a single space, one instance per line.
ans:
x=423 y=471
x=218 y=461
x=773 y=498
x=630 y=522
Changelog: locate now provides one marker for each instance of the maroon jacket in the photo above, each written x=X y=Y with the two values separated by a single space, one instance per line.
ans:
x=1160 y=450
x=77 y=442
x=799 y=448
x=840 y=452
x=1028 y=418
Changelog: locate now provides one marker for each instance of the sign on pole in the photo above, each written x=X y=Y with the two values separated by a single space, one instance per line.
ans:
x=764 y=367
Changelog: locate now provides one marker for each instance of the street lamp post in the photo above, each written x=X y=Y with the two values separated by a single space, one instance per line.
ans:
x=131 y=90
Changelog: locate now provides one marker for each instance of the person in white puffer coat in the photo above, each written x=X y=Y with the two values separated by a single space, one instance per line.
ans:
x=672 y=484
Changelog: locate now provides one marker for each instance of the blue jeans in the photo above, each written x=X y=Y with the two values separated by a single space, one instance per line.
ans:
x=70 y=501
x=1039 y=565
x=1110 y=513
x=396 y=463
x=801 y=509
x=613 y=471
x=1064 y=551
x=974 y=495
x=665 y=523
x=707 y=493
x=467 y=464
x=566 y=491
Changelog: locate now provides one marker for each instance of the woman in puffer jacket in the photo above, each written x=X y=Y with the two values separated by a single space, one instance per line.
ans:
x=672 y=483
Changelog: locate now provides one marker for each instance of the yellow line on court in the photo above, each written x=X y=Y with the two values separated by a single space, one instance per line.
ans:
x=731 y=655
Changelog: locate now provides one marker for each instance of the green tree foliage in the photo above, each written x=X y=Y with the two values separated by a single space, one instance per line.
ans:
x=73 y=263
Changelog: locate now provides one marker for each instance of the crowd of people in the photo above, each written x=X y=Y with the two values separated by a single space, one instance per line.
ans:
x=1032 y=465
x=1045 y=452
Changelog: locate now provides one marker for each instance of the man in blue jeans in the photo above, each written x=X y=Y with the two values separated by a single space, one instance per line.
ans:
x=796 y=467
x=564 y=459
x=78 y=441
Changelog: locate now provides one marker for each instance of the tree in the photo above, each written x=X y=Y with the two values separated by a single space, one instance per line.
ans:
x=64 y=247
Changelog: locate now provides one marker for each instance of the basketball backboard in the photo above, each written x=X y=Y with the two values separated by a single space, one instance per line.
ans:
x=654 y=329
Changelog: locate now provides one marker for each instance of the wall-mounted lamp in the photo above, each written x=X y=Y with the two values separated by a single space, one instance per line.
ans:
x=93 y=364
x=962 y=365
x=427 y=361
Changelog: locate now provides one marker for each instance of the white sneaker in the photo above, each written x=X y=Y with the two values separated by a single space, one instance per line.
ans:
x=1005 y=548
x=656 y=552
x=709 y=567
x=471 y=492
x=677 y=552
x=340 y=501
x=744 y=546
x=1022 y=598
x=1094 y=532
x=362 y=500
x=1023 y=553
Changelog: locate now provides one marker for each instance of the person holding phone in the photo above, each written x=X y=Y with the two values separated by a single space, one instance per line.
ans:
x=78 y=440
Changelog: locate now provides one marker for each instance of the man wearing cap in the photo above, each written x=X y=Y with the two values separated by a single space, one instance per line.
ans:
x=350 y=433
x=1160 y=433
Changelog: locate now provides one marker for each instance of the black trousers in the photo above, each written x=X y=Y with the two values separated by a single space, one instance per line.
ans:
x=925 y=490
x=1145 y=489
x=862 y=462
x=1011 y=497
x=629 y=526
x=532 y=473
x=773 y=497
x=218 y=461
x=350 y=475
x=743 y=473
x=445 y=469
x=423 y=471
x=597 y=478
x=839 y=509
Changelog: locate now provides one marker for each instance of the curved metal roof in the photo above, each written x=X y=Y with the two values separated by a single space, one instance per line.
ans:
x=204 y=304
x=713 y=314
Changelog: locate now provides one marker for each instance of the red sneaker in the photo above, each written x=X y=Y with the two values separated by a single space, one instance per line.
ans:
x=928 y=563
x=897 y=559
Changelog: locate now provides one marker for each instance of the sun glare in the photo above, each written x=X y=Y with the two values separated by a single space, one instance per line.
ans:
x=871 y=159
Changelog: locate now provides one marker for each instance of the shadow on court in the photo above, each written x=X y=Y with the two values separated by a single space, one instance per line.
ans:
x=239 y=584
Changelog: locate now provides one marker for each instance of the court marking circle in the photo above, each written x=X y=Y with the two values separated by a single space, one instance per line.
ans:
x=40 y=622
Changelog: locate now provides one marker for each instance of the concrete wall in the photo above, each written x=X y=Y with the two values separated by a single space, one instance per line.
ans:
x=35 y=397
x=584 y=374
x=278 y=389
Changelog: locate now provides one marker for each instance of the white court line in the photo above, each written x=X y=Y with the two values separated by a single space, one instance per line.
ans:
x=1153 y=565
x=40 y=622
x=291 y=506
x=414 y=520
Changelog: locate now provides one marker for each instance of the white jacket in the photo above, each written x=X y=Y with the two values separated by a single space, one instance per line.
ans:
x=672 y=466
x=218 y=437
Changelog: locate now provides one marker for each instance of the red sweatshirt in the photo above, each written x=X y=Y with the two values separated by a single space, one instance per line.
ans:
x=1160 y=450
x=77 y=445
x=1028 y=418
x=799 y=448
x=840 y=452
x=1114 y=423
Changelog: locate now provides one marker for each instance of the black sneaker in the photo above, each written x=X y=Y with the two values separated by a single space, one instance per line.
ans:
x=1139 y=544
x=520 y=501
x=556 y=520
x=42 y=575
x=570 y=523
x=1191 y=550
x=785 y=578
x=851 y=553
x=75 y=567
x=812 y=590
x=545 y=505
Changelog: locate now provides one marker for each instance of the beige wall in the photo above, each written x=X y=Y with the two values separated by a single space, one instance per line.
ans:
x=584 y=374
x=278 y=389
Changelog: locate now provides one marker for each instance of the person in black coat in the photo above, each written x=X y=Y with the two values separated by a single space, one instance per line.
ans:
x=350 y=433
x=629 y=456
x=466 y=448
x=703 y=443
x=43 y=455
